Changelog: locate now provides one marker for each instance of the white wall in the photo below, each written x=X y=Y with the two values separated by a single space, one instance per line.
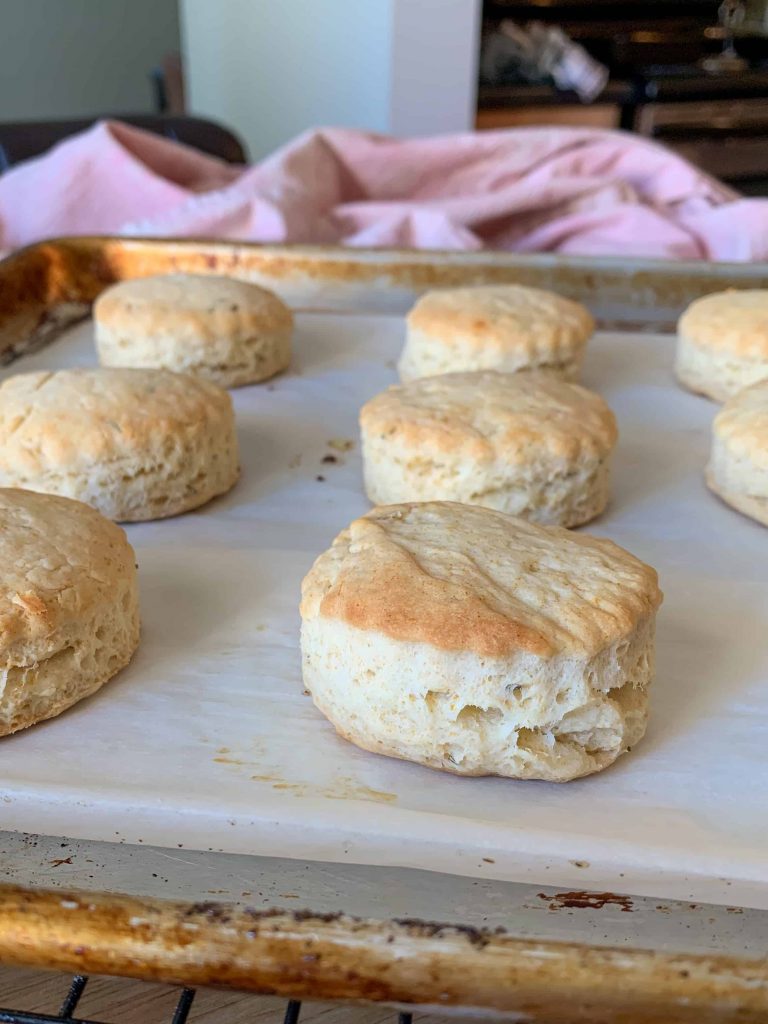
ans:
x=434 y=57
x=78 y=58
x=273 y=68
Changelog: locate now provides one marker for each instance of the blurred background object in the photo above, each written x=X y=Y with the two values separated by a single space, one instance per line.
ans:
x=731 y=14
x=540 y=54
x=277 y=67
x=692 y=74
x=80 y=58
x=63 y=65
x=170 y=94
x=23 y=140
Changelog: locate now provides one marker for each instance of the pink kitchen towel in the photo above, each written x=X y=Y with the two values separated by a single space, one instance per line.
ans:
x=568 y=190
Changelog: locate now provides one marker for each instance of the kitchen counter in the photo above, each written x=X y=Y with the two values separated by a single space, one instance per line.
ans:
x=523 y=95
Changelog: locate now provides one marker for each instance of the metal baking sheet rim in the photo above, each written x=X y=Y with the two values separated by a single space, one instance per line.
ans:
x=53 y=283
x=403 y=962
x=47 y=286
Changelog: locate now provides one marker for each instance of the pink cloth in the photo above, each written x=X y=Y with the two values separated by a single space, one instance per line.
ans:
x=569 y=190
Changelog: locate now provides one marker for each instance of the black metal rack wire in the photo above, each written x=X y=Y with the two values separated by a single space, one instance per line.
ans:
x=180 y=1014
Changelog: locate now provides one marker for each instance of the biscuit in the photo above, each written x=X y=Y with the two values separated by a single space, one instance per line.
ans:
x=738 y=465
x=228 y=331
x=69 y=605
x=722 y=343
x=495 y=327
x=135 y=444
x=478 y=643
x=528 y=444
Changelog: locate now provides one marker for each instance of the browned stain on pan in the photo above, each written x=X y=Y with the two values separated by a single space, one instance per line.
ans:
x=581 y=900
x=343 y=787
x=340 y=788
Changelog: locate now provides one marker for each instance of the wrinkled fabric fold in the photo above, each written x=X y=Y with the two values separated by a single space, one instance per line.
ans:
x=569 y=190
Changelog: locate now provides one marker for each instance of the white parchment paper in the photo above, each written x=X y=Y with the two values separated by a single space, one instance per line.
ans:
x=208 y=741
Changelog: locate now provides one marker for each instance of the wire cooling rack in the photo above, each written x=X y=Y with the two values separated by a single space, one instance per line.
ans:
x=76 y=989
x=180 y=1014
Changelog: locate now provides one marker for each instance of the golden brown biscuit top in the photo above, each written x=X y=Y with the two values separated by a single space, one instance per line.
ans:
x=508 y=317
x=732 y=321
x=742 y=424
x=58 y=559
x=464 y=578
x=71 y=419
x=201 y=304
x=486 y=415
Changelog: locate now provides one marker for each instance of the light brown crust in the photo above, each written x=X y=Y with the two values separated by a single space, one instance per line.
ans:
x=69 y=419
x=460 y=577
x=59 y=560
x=29 y=712
x=435 y=612
x=487 y=415
x=506 y=317
x=69 y=615
x=202 y=305
x=733 y=321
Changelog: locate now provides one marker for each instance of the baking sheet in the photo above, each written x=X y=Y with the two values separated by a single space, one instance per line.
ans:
x=208 y=741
